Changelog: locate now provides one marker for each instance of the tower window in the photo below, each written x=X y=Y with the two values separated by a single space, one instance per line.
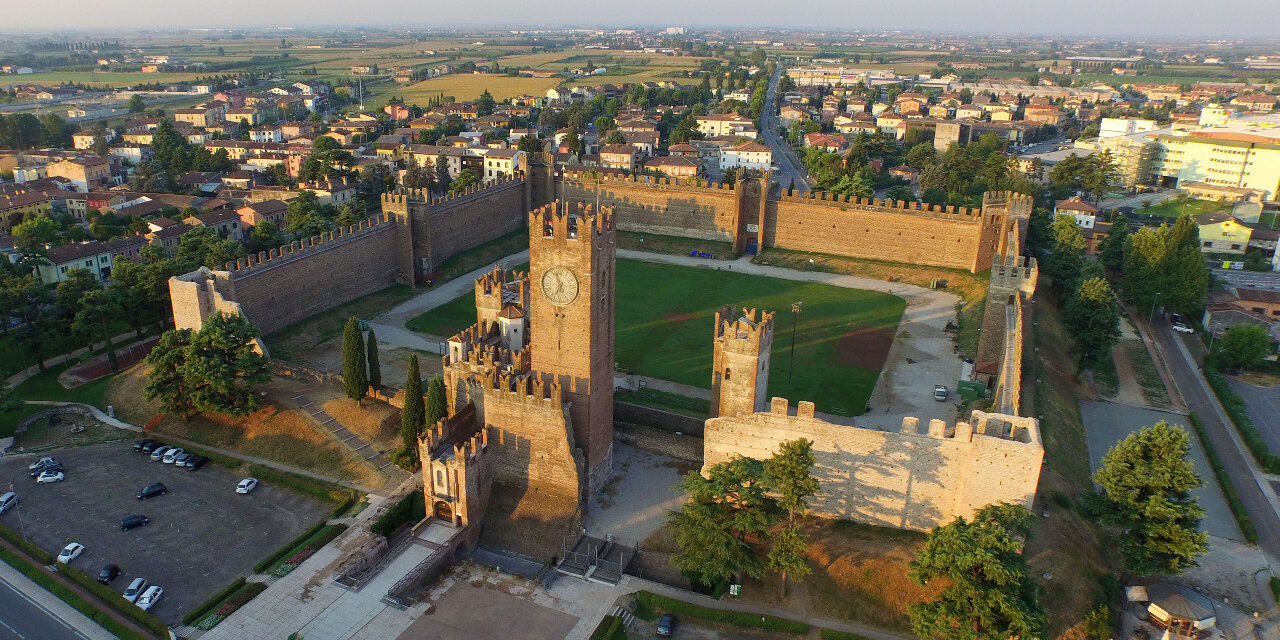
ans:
x=726 y=373
x=440 y=478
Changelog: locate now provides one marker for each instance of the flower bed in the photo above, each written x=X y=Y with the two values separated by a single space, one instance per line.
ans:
x=242 y=596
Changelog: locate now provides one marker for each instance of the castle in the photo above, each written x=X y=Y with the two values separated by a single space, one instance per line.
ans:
x=530 y=384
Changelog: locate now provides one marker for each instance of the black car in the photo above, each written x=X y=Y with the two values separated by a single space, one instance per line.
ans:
x=132 y=522
x=52 y=465
x=667 y=625
x=141 y=444
x=108 y=573
x=196 y=462
x=152 y=490
x=151 y=446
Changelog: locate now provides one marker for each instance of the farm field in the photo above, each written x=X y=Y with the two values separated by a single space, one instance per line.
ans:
x=664 y=327
x=470 y=86
x=105 y=79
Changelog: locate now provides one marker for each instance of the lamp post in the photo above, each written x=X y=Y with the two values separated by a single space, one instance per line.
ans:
x=1152 y=315
x=795 y=312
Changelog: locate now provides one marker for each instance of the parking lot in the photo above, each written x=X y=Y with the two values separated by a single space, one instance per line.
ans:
x=201 y=537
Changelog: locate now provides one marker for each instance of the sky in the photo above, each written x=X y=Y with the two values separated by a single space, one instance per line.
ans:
x=1192 y=18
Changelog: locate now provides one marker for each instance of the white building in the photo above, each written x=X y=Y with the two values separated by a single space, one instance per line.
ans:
x=747 y=155
x=1125 y=126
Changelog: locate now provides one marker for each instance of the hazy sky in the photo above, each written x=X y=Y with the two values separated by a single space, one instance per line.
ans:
x=1109 y=17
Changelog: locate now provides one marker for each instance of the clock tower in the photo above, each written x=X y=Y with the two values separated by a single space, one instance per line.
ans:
x=572 y=263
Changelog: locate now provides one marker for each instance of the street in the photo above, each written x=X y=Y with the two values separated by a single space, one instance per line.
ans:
x=790 y=170
x=22 y=618
x=1174 y=348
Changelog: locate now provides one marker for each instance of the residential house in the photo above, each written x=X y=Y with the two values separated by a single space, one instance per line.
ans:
x=194 y=117
x=500 y=163
x=244 y=115
x=131 y=151
x=725 y=124
x=1221 y=233
x=747 y=155
x=825 y=141
x=619 y=156
x=225 y=223
x=645 y=141
x=397 y=111
x=684 y=149
x=674 y=166
x=84 y=173
x=1085 y=214
x=252 y=214
x=95 y=256
x=266 y=133
x=17 y=205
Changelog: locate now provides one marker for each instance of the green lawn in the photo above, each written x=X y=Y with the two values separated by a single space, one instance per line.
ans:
x=1175 y=208
x=664 y=329
x=45 y=386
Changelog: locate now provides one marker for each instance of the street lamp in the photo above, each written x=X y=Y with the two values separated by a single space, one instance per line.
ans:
x=1152 y=315
x=795 y=312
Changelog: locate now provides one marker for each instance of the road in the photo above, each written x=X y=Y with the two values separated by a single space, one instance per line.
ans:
x=1174 y=348
x=22 y=618
x=790 y=170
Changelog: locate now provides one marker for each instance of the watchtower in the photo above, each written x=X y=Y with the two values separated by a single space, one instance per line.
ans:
x=740 y=364
x=572 y=264
x=456 y=474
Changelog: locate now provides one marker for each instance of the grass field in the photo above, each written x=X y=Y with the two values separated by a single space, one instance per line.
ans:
x=470 y=86
x=1175 y=208
x=664 y=327
x=105 y=79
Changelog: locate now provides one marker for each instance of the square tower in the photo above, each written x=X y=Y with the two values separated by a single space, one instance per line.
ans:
x=572 y=263
x=740 y=364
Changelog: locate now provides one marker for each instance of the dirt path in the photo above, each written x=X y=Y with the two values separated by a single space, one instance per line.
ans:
x=1128 y=391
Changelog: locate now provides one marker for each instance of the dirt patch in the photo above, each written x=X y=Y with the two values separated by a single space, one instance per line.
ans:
x=865 y=348
x=373 y=421
x=677 y=317
x=1259 y=379
x=100 y=367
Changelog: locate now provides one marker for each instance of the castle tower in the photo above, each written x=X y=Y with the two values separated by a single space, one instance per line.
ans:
x=572 y=265
x=1013 y=282
x=456 y=474
x=740 y=364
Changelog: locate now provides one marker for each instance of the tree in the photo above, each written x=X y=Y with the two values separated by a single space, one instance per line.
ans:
x=465 y=179
x=1091 y=316
x=1068 y=256
x=1111 y=249
x=354 y=375
x=413 y=415
x=136 y=104
x=443 y=179
x=788 y=474
x=266 y=235
x=484 y=103
x=371 y=357
x=901 y=192
x=1185 y=281
x=97 y=309
x=1147 y=481
x=1244 y=346
x=615 y=137
x=202 y=246
x=989 y=595
x=726 y=511
x=529 y=144
x=37 y=230
x=436 y=408
x=218 y=369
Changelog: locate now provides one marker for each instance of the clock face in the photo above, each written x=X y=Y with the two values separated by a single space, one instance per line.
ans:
x=559 y=285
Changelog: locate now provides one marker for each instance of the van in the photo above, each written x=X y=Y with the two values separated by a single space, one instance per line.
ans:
x=8 y=501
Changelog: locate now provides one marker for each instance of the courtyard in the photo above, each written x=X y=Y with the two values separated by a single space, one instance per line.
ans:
x=202 y=535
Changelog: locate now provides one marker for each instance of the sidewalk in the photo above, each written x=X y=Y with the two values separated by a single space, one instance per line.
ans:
x=20 y=377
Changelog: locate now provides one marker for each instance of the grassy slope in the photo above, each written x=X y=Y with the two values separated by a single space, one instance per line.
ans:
x=299 y=337
x=668 y=335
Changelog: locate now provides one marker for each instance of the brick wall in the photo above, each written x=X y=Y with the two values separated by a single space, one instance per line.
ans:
x=671 y=207
x=445 y=227
x=905 y=480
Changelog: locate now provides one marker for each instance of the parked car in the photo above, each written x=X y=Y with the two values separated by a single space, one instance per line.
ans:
x=142 y=444
x=157 y=454
x=152 y=490
x=1175 y=318
x=51 y=476
x=108 y=573
x=150 y=597
x=47 y=460
x=1182 y=328
x=50 y=465
x=181 y=460
x=940 y=392
x=8 y=501
x=666 y=625
x=247 y=485
x=151 y=446
x=172 y=454
x=195 y=462
x=70 y=552
x=135 y=589
x=133 y=522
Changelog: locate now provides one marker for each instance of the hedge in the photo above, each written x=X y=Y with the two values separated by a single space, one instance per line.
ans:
x=205 y=607
x=832 y=634
x=26 y=547
x=331 y=494
x=411 y=508
x=70 y=597
x=231 y=604
x=1228 y=489
x=280 y=553
x=1237 y=411
x=1275 y=588
x=737 y=618
x=607 y=627
x=299 y=551
x=116 y=602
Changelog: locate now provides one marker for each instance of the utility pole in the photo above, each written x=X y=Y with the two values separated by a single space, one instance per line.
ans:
x=795 y=312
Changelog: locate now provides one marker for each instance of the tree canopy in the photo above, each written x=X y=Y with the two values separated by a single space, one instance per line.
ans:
x=217 y=369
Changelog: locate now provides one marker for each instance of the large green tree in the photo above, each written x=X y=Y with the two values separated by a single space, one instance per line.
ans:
x=1067 y=259
x=375 y=366
x=988 y=593
x=413 y=415
x=165 y=381
x=1091 y=316
x=1111 y=249
x=218 y=369
x=1244 y=346
x=98 y=308
x=354 y=367
x=716 y=529
x=1147 y=481
x=436 y=407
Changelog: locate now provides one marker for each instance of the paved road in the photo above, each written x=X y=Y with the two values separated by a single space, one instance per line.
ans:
x=22 y=618
x=1264 y=409
x=1178 y=352
x=789 y=168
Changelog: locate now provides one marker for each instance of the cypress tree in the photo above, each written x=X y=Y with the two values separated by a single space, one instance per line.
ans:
x=413 y=415
x=436 y=406
x=375 y=368
x=353 y=364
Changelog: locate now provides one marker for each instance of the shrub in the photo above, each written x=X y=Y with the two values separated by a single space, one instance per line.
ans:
x=282 y=551
x=21 y=543
x=203 y=608
x=411 y=508
x=737 y=618
x=325 y=492
x=607 y=628
x=832 y=634
x=233 y=603
x=1236 y=410
x=72 y=598
x=300 y=549
x=1275 y=588
x=1224 y=481
x=113 y=600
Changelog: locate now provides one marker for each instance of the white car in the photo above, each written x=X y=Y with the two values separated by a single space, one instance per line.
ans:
x=8 y=501
x=1182 y=328
x=70 y=552
x=135 y=589
x=247 y=485
x=51 y=476
x=150 y=597
x=172 y=454
x=159 y=452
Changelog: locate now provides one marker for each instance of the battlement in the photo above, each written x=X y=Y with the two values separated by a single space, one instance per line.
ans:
x=742 y=332
x=1016 y=204
x=528 y=387
x=404 y=196
x=1016 y=273
x=949 y=212
x=588 y=178
x=566 y=219
x=446 y=437
x=300 y=248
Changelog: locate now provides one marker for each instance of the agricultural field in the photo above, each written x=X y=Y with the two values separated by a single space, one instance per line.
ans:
x=470 y=86
x=105 y=79
x=664 y=327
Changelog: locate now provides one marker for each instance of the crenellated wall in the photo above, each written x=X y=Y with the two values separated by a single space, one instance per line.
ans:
x=444 y=227
x=899 y=479
x=665 y=206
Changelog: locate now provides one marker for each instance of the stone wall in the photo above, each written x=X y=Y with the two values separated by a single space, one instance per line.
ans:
x=445 y=227
x=898 y=479
x=672 y=207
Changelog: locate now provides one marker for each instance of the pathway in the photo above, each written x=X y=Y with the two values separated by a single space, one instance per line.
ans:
x=360 y=445
x=22 y=376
